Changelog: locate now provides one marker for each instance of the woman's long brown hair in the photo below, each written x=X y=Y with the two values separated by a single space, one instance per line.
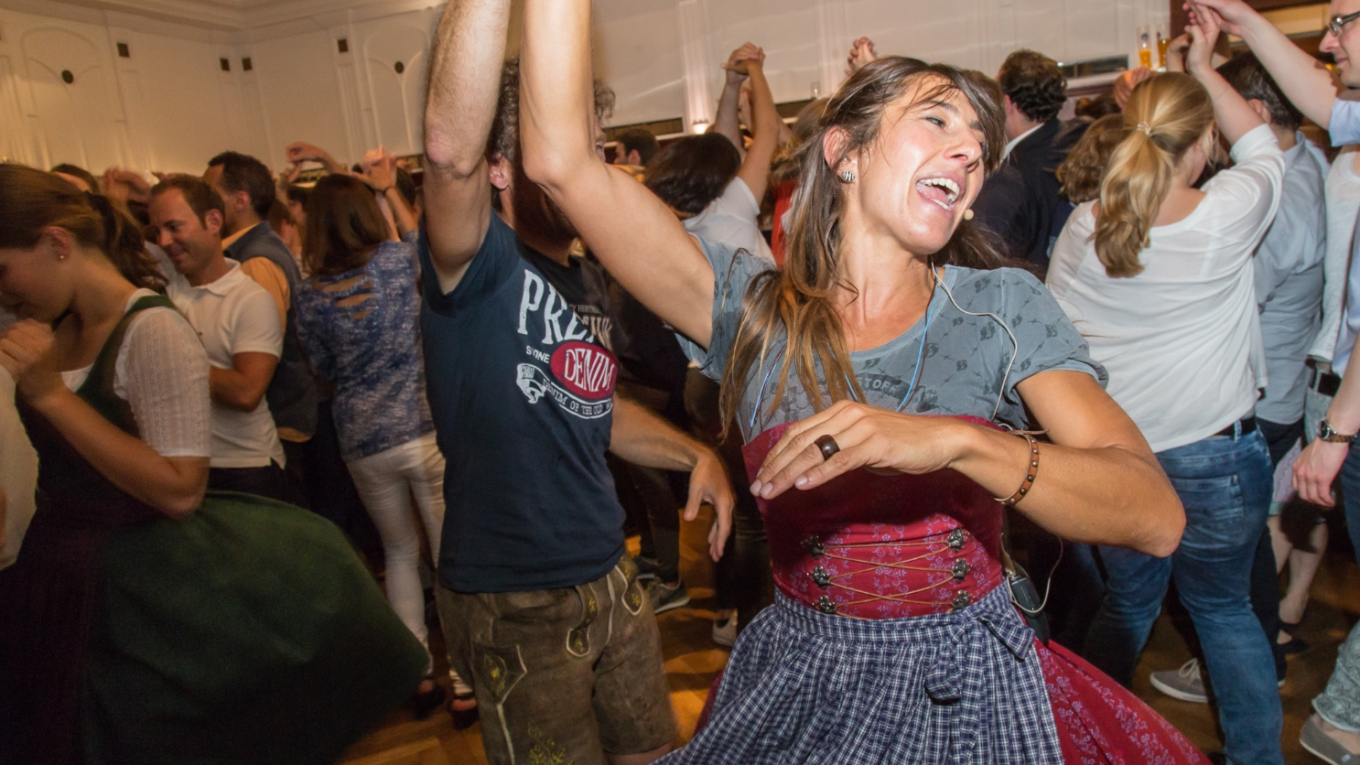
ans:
x=797 y=302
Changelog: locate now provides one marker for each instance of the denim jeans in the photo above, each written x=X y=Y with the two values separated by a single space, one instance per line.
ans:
x=1225 y=484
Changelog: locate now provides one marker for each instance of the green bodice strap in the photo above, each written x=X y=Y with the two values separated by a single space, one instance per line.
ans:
x=247 y=633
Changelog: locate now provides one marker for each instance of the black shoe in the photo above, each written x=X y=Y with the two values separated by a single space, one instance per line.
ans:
x=423 y=703
x=1296 y=644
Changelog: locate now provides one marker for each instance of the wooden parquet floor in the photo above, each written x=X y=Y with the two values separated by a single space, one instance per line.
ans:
x=692 y=661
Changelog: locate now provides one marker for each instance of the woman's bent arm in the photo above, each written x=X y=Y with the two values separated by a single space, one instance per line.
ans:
x=1098 y=481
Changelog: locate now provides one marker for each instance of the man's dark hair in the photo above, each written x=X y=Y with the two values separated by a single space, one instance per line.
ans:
x=298 y=194
x=241 y=172
x=693 y=171
x=1251 y=80
x=199 y=195
x=504 y=138
x=77 y=171
x=640 y=140
x=1034 y=83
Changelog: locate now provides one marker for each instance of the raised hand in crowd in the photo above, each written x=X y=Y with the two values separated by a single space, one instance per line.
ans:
x=1175 y=53
x=126 y=186
x=380 y=173
x=1127 y=81
x=728 y=120
x=1306 y=82
x=861 y=53
x=736 y=74
x=301 y=151
x=748 y=62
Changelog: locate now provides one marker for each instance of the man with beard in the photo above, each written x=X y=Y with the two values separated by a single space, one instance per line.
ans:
x=540 y=603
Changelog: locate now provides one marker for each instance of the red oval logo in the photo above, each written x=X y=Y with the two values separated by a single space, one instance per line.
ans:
x=586 y=370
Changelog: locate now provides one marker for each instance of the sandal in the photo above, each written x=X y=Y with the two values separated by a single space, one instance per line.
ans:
x=462 y=704
x=1296 y=644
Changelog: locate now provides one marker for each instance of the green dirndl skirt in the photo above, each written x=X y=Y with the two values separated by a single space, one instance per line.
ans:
x=249 y=632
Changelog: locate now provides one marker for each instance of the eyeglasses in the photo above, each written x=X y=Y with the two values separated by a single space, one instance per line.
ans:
x=1338 y=22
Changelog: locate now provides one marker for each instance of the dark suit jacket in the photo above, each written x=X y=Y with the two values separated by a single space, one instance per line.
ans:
x=1017 y=202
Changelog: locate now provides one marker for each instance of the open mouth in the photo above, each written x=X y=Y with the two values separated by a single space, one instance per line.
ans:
x=942 y=191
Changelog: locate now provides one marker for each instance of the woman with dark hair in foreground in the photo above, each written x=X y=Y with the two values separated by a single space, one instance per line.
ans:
x=893 y=638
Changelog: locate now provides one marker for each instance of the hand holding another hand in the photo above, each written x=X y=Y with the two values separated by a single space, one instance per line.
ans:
x=1203 y=30
x=742 y=58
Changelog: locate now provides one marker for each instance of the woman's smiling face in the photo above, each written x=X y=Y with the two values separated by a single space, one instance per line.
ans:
x=917 y=179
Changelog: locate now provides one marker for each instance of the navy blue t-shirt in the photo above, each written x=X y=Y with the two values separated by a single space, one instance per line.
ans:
x=521 y=390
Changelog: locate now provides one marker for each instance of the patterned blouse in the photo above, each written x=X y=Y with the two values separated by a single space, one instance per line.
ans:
x=361 y=330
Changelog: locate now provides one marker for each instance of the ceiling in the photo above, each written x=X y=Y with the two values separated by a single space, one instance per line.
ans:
x=228 y=14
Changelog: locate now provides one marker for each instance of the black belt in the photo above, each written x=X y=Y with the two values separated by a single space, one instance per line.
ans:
x=1326 y=383
x=1248 y=426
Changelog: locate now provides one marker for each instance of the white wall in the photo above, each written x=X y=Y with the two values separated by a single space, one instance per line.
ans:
x=170 y=107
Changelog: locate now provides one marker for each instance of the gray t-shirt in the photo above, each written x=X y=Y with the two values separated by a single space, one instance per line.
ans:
x=964 y=358
x=1289 y=266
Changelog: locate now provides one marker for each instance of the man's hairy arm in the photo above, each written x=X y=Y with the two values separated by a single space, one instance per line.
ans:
x=465 y=73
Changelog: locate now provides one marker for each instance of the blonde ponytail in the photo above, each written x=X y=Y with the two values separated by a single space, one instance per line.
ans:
x=1165 y=116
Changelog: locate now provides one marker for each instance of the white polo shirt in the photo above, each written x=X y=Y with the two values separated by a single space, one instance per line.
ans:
x=233 y=315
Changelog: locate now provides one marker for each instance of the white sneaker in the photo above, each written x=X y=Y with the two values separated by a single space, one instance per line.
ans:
x=725 y=631
x=1185 y=683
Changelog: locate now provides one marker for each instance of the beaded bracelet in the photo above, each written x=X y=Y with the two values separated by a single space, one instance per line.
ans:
x=1030 y=473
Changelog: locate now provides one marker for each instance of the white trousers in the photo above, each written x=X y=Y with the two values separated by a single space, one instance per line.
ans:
x=386 y=482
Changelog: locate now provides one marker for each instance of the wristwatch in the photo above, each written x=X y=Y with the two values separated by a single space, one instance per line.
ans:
x=1325 y=433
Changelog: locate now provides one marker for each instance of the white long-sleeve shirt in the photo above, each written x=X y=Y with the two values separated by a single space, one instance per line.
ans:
x=1343 y=204
x=1182 y=339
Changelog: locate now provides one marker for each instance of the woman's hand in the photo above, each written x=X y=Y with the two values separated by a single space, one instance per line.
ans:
x=27 y=352
x=1203 y=31
x=1126 y=82
x=380 y=170
x=868 y=437
x=862 y=53
x=736 y=63
x=1316 y=469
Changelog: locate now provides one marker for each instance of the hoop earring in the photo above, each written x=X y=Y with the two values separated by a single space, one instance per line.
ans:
x=968 y=214
x=848 y=177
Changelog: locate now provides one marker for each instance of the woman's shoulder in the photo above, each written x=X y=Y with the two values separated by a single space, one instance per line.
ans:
x=991 y=284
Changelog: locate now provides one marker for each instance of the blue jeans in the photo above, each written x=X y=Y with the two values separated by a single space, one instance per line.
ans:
x=1225 y=484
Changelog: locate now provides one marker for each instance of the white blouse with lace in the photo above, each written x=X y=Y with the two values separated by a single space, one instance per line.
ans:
x=162 y=372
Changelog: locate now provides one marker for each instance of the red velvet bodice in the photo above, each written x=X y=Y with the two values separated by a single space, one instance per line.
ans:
x=882 y=546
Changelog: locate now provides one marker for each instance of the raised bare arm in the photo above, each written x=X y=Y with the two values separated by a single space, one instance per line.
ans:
x=755 y=169
x=726 y=121
x=465 y=75
x=1231 y=112
x=1304 y=80
x=636 y=237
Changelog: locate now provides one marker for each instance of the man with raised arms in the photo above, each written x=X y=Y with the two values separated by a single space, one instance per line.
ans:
x=541 y=604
